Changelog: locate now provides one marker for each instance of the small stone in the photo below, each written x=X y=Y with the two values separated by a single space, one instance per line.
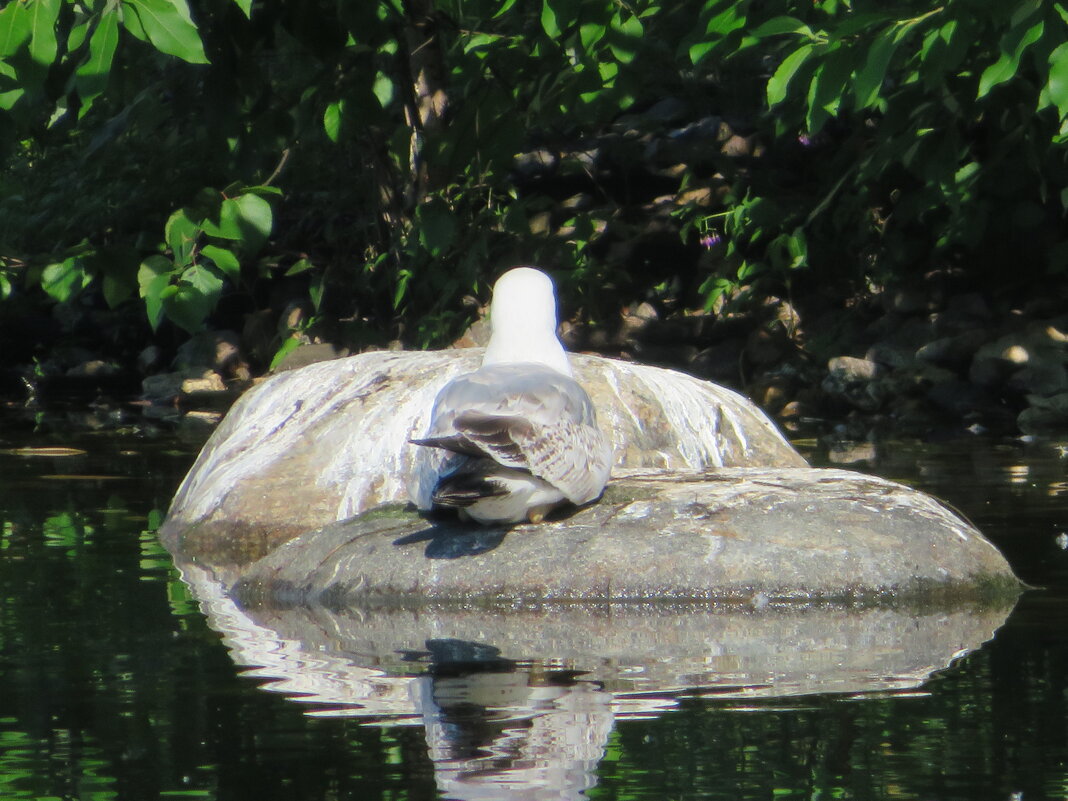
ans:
x=149 y=358
x=851 y=452
x=93 y=368
x=738 y=146
x=954 y=352
x=535 y=163
x=890 y=354
x=540 y=223
x=1044 y=377
x=905 y=300
x=854 y=381
x=310 y=354
x=210 y=382
x=700 y=196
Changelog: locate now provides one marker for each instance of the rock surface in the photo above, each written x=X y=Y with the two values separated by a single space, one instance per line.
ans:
x=753 y=536
x=299 y=497
x=328 y=441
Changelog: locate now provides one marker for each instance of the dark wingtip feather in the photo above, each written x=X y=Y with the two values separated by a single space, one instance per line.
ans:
x=465 y=489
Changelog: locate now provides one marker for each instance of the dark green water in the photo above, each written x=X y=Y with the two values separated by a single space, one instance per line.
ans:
x=115 y=686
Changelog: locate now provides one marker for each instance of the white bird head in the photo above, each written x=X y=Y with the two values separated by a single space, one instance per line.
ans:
x=523 y=321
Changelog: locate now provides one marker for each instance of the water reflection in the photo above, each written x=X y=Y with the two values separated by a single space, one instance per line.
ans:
x=521 y=703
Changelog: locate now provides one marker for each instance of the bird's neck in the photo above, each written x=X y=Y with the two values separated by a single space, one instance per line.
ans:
x=531 y=347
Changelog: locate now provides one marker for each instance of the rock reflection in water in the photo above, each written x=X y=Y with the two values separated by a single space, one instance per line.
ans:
x=520 y=703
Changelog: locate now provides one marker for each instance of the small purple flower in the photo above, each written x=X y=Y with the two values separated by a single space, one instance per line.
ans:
x=711 y=240
x=803 y=140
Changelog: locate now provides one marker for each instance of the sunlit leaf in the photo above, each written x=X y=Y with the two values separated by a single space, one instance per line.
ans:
x=181 y=234
x=626 y=37
x=780 y=25
x=43 y=45
x=195 y=298
x=315 y=291
x=1057 y=84
x=505 y=6
x=16 y=27
x=383 y=89
x=548 y=20
x=828 y=87
x=91 y=77
x=247 y=219
x=224 y=259
x=1013 y=45
x=780 y=80
x=332 y=117
x=870 y=77
x=245 y=6
x=63 y=280
x=168 y=25
x=153 y=277
x=300 y=266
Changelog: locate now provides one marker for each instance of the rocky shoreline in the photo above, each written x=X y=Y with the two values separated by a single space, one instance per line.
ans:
x=907 y=362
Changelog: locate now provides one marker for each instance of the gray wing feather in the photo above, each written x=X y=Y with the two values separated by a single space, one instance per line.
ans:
x=527 y=417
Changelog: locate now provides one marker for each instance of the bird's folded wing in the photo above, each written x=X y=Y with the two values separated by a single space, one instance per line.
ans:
x=570 y=454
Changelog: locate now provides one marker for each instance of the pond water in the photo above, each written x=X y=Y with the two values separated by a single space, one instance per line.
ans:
x=117 y=685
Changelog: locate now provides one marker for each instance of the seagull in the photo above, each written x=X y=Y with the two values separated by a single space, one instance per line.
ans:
x=521 y=432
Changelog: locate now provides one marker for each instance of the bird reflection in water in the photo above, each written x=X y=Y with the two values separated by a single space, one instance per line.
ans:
x=495 y=729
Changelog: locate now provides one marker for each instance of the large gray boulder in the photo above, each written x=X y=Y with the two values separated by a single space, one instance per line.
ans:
x=755 y=536
x=326 y=442
x=299 y=497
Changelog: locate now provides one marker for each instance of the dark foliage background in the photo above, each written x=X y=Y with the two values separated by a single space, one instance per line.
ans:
x=360 y=172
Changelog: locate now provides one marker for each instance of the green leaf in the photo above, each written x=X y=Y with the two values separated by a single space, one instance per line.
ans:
x=725 y=22
x=225 y=260
x=403 y=278
x=437 y=227
x=153 y=279
x=181 y=234
x=507 y=4
x=64 y=280
x=828 y=86
x=590 y=33
x=16 y=27
x=869 y=78
x=245 y=6
x=315 y=291
x=332 y=117
x=780 y=25
x=384 y=89
x=197 y=294
x=1057 y=85
x=1013 y=45
x=548 y=21
x=780 y=81
x=116 y=289
x=626 y=37
x=43 y=45
x=168 y=25
x=246 y=219
x=699 y=50
x=10 y=98
x=298 y=267
x=91 y=77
